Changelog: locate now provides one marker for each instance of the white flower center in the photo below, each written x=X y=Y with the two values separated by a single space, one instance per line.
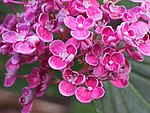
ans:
x=110 y=62
x=80 y=26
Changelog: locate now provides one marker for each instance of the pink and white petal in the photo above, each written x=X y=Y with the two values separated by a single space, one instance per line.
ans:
x=10 y=36
x=57 y=47
x=89 y=23
x=9 y=81
x=71 y=49
x=114 y=67
x=80 y=79
x=122 y=82
x=66 y=88
x=80 y=19
x=140 y=28
x=71 y=22
x=56 y=63
x=118 y=58
x=44 y=34
x=97 y=50
x=108 y=31
x=80 y=8
x=80 y=34
x=26 y=49
x=23 y=29
x=106 y=58
x=91 y=81
x=43 y=18
x=100 y=71
x=97 y=92
x=95 y=13
x=83 y=95
x=91 y=59
x=144 y=49
x=73 y=41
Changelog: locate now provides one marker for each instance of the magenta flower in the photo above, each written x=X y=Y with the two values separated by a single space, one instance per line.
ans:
x=44 y=29
x=90 y=7
x=115 y=12
x=72 y=79
x=121 y=79
x=93 y=58
x=109 y=36
x=79 y=26
x=114 y=61
x=62 y=54
x=93 y=90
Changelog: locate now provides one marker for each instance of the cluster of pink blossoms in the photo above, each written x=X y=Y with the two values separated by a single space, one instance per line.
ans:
x=61 y=33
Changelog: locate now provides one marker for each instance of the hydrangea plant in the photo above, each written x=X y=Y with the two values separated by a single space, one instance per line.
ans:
x=60 y=33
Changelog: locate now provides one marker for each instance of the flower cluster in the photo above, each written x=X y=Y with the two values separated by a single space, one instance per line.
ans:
x=78 y=39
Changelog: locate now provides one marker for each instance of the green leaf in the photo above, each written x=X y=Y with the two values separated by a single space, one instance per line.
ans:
x=133 y=99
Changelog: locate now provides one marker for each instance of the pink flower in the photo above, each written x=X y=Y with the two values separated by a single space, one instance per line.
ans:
x=93 y=90
x=45 y=28
x=91 y=7
x=114 y=61
x=79 y=26
x=62 y=54
x=115 y=12
x=109 y=36
x=72 y=79
x=120 y=79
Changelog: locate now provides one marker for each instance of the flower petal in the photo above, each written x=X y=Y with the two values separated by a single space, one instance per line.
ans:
x=91 y=59
x=10 y=36
x=70 y=22
x=56 y=47
x=122 y=82
x=118 y=58
x=83 y=95
x=91 y=81
x=80 y=34
x=57 y=63
x=43 y=18
x=89 y=23
x=95 y=13
x=144 y=49
x=100 y=71
x=66 y=88
x=97 y=92
x=97 y=50
x=80 y=19
x=71 y=49
x=44 y=34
